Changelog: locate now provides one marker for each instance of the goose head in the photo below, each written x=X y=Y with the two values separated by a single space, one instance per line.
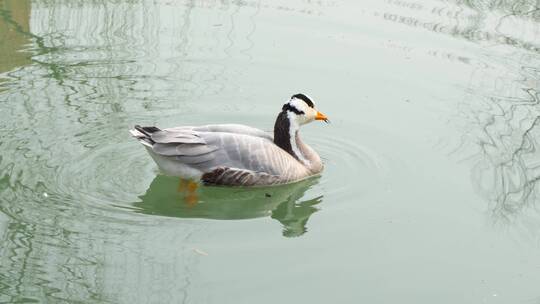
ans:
x=300 y=110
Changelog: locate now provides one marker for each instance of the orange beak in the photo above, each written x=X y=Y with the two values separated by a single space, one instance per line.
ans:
x=321 y=116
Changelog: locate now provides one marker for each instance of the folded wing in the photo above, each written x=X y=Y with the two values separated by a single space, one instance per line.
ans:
x=227 y=154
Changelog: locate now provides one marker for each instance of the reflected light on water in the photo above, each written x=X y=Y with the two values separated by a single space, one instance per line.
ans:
x=503 y=117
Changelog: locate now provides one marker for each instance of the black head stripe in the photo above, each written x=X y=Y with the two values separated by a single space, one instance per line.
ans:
x=304 y=98
x=289 y=107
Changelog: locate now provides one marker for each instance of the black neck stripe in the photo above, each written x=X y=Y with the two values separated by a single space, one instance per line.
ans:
x=282 y=134
x=289 y=107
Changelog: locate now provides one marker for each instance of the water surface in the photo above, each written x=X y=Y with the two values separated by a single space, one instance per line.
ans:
x=430 y=191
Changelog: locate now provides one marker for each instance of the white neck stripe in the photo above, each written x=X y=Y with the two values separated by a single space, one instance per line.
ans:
x=293 y=129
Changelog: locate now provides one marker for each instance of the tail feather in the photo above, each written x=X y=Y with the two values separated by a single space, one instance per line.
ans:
x=144 y=134
x=147 y=130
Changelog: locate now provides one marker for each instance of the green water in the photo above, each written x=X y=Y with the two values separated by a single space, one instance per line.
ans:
x=430 y=192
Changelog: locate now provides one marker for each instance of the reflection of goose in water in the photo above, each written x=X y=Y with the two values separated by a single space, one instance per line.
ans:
x=280 y=202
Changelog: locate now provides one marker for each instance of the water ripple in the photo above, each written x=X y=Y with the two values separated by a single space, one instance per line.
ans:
x=89 y=175
x=361 y=169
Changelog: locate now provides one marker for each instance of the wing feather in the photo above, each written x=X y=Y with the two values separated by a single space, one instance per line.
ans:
x=238 y=177
x=176 y=149
x=179 y=137
x=227 y=154
x=195 y=159
x=234 y=129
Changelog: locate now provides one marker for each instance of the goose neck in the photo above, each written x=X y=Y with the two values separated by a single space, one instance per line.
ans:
x=286 y=135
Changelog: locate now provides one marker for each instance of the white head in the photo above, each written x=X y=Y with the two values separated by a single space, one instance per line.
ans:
x=297 y=111
x=301 y=109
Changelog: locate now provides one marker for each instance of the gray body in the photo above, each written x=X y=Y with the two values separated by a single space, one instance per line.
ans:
x=234 y=155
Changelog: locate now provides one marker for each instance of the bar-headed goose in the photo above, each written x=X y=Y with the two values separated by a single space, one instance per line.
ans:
x=238 y=155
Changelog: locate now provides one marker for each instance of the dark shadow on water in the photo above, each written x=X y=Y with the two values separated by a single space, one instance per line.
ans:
x=283 y=203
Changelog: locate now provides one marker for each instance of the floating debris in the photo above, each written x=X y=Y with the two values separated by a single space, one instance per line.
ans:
x=200 y=252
